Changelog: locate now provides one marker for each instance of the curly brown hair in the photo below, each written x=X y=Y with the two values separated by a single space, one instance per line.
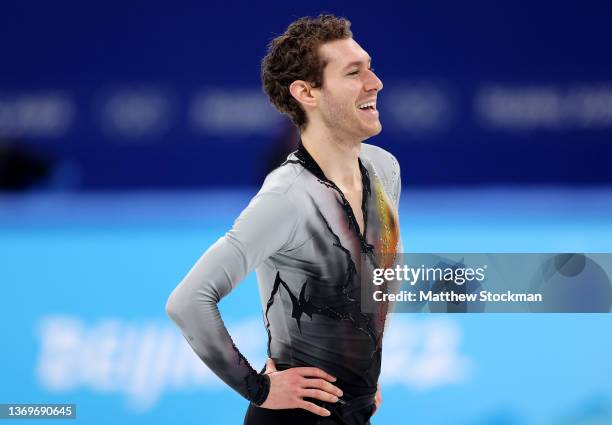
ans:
x=294 y=56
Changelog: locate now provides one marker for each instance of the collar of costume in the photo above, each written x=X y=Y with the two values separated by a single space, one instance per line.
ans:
x=311 y=165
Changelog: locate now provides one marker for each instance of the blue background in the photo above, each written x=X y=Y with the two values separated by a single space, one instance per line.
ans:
x=154 y=94
x=155 y=132
x=114 y=258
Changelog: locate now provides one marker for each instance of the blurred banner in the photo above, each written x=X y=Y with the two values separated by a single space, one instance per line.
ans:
x=125 y=95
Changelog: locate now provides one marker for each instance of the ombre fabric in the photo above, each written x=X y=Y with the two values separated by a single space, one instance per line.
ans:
x=300 y=235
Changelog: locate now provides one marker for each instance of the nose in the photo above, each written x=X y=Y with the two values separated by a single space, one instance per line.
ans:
x=373 y=82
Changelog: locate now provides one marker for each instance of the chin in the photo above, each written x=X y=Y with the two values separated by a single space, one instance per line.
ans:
x=378 y=129
x=375 y=131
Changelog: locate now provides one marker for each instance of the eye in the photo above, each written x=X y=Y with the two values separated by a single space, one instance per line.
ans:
x=354 y=72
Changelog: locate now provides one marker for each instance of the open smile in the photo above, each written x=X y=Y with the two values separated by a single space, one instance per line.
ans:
x=368 y=108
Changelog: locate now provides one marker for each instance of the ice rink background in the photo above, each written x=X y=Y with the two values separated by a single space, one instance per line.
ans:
x=85 y=279
x=132 y=134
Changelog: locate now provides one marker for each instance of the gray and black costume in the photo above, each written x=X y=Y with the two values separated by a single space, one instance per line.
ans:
x=301 y=236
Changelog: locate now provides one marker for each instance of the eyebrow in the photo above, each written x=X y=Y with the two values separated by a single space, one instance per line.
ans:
x=356 y=63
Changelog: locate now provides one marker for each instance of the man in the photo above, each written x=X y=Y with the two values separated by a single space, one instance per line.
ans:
x=332 y=204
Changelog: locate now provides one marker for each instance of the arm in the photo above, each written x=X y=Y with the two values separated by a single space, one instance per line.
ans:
x=266 y=226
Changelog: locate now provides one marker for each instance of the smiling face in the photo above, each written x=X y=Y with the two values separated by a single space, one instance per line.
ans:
x=347 y=100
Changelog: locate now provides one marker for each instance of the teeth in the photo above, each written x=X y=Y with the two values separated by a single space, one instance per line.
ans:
x=367 y=105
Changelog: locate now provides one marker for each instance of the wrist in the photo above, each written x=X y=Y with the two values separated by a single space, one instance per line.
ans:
x=259 y=394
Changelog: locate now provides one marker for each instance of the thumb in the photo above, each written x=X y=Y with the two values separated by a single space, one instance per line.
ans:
x=270 y=366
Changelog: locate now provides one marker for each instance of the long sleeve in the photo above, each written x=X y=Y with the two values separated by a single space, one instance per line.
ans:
x=266 y=226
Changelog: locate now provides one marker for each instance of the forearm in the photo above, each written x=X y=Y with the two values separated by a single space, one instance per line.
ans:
x=193 y=307
x=264 y=227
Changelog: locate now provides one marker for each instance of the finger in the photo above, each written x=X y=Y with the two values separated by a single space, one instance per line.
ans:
x=270 y=366
x=319 y=394
x=322 y=385
x=313 y=408
x=377 y=403
x=315 y=372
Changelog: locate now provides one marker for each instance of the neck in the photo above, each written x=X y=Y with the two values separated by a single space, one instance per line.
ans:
x=338 y=158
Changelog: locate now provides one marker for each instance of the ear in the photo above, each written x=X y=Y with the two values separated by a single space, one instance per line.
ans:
x=303 y=93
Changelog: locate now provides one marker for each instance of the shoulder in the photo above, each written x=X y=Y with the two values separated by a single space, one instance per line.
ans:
x=385 y=167
x=282 y=180
x=379 y=157
x=275 y=209
x=384 y=163
x=278 y=190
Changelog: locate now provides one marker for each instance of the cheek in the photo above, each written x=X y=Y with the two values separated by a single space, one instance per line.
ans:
x=346 y=107
x=340 y=102
x=335 y=105
x=343 y=92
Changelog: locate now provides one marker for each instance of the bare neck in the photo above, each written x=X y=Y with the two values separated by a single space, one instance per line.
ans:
x=337 y=158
